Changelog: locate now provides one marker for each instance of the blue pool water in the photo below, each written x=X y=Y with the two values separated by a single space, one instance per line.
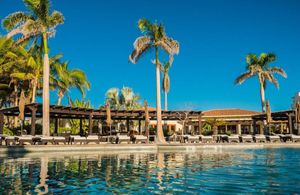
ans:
x=252 y=171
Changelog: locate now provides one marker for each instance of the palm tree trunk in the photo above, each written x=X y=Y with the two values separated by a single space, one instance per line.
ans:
x=46 y=96
x=262 y=96
x=34 y=91
x=166 y=101
x=160 y=134
x=16 y=103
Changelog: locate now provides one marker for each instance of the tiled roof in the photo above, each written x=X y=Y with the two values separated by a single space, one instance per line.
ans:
x=229 y=112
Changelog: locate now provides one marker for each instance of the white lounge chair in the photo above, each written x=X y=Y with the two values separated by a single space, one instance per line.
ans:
x=92 y=139
x=10 y=140
x=260 y=138
x=193 y=138
x=141 y=139
x=77 y=139
x=233 y=138
x=59 y=139
x=123 y=138
x=46 y=140
x=246 y=138
x=206 y=139
x=295 y=138
x=25 y=139
x=273 y=138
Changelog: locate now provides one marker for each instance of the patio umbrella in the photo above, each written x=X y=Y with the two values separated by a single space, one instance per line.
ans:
x=147 y=119
x=21 y=109
x=108 y=115
x=269 y=117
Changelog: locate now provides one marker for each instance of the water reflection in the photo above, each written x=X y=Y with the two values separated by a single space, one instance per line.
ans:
x=210 y=171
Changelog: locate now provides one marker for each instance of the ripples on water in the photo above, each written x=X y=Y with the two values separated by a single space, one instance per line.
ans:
x=275 y=171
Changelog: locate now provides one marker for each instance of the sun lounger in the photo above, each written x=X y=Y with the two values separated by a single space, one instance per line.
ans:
x=77 y=139
x=233 y=138
x=103 y=138
x=141 y=139
x=259 y=138
x=25 y=139
x=273 y=138
x=206 y=139
x=193 y=139
x=295 y=138
x=92 y=139
x=246 y=138
x=60 y=139
x=122 y=138
x=10 y=140
x=46 y=140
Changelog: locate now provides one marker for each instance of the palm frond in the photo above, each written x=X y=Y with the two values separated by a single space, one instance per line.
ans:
x=14 y=20
x=270 y=77
x=240 y=79
x=278 y=70
x=251 y=59
x=136 y=54
x=55 y=19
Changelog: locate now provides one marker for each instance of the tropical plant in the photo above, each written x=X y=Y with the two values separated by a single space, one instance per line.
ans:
x=260 y=67
x=75 y=123
x=212 y=124
x=124 y=99
x=65 y=78
x=38 y=22
x=154 y=37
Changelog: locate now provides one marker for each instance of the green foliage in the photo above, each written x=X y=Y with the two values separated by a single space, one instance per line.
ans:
x=7 y=131
x=207 y=132
x=124 y=99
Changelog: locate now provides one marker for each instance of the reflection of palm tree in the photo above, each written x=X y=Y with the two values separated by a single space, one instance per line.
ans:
x=43 y=177
x=154 y=38
x=259 y=66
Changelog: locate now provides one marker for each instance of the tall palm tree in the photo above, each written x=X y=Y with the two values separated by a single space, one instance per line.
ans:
x=38 y=22
x=65 y=78
x=154 y=37
x=260 y=67
x=165 y=67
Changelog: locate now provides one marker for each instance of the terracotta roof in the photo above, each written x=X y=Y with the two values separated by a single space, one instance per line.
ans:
x=229 y=112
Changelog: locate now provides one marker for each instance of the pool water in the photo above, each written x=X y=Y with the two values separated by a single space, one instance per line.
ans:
x=252 y=171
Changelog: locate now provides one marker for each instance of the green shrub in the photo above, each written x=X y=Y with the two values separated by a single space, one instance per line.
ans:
x=207 y=132
x=7 y=131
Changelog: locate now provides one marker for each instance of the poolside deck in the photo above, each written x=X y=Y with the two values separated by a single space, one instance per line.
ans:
x=130 y=148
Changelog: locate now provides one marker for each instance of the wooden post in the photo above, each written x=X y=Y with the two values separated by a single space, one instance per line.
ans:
x=253 y=127
x=290 y=124
x=33 y=120
x=127 y=125
x=1 y=122
x=200 y=124
x=56 y=126
x=90 y=124
x=80 y=127
x=140 y=127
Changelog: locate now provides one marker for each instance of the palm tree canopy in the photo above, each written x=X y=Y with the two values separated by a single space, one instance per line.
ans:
x=124 y=99
x=260 y=66
x=37 y=21
x=65 y=78
x=154 y=35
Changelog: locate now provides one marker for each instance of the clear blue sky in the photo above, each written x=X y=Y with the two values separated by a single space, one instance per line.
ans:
x=214 y=36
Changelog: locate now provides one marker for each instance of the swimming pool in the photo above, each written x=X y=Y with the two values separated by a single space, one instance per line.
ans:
x=274 y=170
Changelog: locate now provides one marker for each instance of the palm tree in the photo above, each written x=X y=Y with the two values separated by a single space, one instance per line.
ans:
x=259 y=66
x=154 y=37
x=65 y=78
x=124 y=99
x=37 y=23
x=166 y=80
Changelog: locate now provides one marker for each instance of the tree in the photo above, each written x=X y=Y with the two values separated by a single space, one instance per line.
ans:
x=124 y=99
x=165 y=67
x=38 y=22
x=214 y=123
x=154 y=37
x=65 y=78
x=260 y=67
